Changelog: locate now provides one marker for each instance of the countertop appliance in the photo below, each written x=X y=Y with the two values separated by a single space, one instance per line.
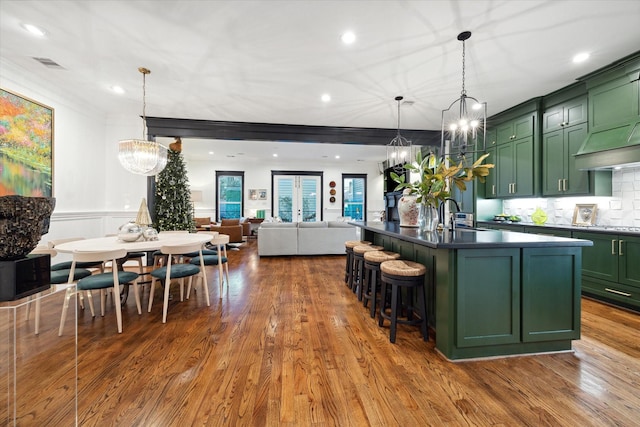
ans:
x=463 y=219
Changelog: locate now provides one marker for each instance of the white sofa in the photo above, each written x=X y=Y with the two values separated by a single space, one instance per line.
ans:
x=304 y=238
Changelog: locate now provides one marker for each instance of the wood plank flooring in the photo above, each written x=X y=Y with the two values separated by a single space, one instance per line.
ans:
x=287 y=344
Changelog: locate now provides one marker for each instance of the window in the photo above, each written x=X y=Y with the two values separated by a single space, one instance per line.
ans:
x=229 y=194
x=354 y=196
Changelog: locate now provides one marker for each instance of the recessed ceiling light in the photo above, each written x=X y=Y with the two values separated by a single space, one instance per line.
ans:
x=211 y=153
x=348 y=37
x=581 y=57
x=117 y=89
x=275 y=155
x=325 y=97
x=36 y=31
x=337 y=157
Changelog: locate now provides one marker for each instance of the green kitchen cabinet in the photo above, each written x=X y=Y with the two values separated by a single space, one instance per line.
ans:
x=629 y=260
x=559 y=173
x=492 y=137
x=491 y=181
x=515 y=129
x=569 y=113
x=487 y=311
x=610 y=268
x=550 y=294
x=515 y=164
x=601 y=259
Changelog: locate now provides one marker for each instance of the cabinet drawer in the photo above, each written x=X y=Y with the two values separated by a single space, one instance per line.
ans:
x=628 y=296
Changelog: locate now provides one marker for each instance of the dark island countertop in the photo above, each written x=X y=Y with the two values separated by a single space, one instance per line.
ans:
x=468 y=238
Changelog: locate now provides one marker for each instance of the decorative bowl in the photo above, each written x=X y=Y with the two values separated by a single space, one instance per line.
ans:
x=129 y=232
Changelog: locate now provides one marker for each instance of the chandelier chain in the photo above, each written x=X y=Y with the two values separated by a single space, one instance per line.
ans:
x=464 y=91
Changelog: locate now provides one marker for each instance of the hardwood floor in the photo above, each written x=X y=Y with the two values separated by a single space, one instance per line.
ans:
x=287 y=344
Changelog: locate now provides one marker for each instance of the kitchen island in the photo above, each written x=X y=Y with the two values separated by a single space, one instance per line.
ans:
x=491 y=292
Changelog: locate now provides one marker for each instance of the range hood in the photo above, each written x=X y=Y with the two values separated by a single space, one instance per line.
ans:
x=614 y=116
x=608 y=148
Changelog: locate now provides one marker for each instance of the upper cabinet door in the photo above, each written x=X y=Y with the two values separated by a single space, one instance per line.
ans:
x=563 y=115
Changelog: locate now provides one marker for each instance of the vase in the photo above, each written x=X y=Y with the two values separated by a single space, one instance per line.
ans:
x=408 y=209
x=427 y=218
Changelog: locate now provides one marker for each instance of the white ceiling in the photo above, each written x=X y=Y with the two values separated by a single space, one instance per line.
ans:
x=270 y=61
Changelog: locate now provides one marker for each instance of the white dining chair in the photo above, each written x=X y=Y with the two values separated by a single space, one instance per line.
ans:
x=218 y=258
x=57 y=278
x=66 y=265
x=174 y=270
x=101 y=282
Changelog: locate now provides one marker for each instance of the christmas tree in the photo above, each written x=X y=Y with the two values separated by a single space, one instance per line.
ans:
x=173 y=209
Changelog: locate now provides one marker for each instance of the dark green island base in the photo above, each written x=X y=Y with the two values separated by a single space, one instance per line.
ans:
x=493 y=293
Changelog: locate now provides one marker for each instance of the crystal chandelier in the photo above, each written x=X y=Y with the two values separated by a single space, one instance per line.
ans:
x=464 y=122
x=140 y=156
x=399 y=150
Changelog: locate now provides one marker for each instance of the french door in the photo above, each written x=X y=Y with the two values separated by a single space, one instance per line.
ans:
x=297 y=198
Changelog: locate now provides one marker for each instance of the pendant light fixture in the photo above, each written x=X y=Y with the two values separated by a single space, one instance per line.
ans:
x=464 y=122
x=140 y=156
x=399 y=150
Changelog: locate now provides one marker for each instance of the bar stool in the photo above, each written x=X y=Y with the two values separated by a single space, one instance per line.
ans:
x=358 y=266
x=403 y=274
x=348 y=246
x=372 y=261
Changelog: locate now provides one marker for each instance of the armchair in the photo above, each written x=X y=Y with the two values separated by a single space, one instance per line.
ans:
x=233 y=228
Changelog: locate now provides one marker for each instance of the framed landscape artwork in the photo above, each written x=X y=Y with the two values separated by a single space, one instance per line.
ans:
x=26 y=146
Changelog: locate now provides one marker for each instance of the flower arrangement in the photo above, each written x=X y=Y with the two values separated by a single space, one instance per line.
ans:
x=437 y=176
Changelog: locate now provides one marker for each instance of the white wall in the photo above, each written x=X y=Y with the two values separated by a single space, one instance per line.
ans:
x=258 y=176
x=94 y=194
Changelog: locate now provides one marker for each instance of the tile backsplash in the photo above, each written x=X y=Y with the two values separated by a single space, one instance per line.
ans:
x=622 y=209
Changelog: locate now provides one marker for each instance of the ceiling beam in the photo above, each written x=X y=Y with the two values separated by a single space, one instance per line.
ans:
x=212 y=129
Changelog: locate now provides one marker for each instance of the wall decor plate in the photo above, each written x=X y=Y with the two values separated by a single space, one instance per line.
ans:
x=332 y=199
x=332 y=191
x=332 y=184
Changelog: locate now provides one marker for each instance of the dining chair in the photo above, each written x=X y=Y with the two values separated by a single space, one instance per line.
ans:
x=160 y=259
x=57 y=277
x=66 y=265
x=219 y=258
x=102 y=281
x=173 y=270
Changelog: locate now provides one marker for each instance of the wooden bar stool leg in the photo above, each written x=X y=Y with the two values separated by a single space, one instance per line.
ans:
x=374 y=292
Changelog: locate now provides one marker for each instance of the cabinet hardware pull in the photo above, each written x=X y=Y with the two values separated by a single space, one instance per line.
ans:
x=514 y=188
x=493 y=190
x=564 y=184
x=613 y=247
x=559 y=185
x=613 y=291
x=620 y=248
